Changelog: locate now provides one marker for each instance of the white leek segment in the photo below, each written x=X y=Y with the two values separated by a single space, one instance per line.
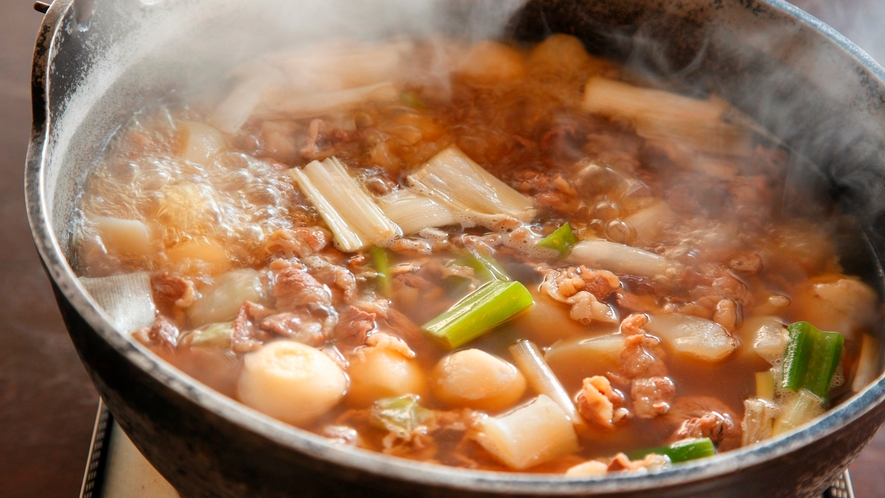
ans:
x=413 y=212
x=126 y=299
x=291 y=382
x=620 y=258
x=531 y=363
x=533 y=434
x=867 y=364
x=316 y=104
x=231 y=113
x=758 y=422
x=658 y=114
x=694 y=336
x=457 y=182
x=799 y=409
x=354 y=218
x=765 y=385
x=310 y=81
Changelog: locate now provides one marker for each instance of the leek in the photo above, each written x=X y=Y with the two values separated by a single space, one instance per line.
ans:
x=562 y=239
x=620 y=258
x=800 y=409
x=758 y=422
x=382 y=265
x=479 y=312
x=765 y=385
x=867 y=363
x=530 y=435
x=680 y=451
x=455 y=181
x=811 y=358
x=355 y=220
x=658 y=114
x=307 y=105
x=485 y=268
x=531 y=363
x=413 y=212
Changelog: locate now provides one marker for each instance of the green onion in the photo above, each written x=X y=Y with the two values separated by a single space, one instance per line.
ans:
x=562 y=239
x=479 y=312
x=485 y=268
x=400 y=415
x=413 y=99
x=382 y=265
x=811 y=358
x=680 y=451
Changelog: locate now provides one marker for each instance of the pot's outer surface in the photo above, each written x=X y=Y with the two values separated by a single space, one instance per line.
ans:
x=98 y=61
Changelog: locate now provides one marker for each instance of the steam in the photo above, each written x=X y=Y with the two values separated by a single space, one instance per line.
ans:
x=861 y=21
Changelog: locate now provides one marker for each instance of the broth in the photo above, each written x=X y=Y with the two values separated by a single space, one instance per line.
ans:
x=661 y=318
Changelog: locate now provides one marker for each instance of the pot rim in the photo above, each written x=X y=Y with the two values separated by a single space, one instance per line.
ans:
x=302 y=441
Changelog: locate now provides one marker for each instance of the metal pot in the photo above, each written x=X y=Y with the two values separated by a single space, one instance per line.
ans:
x=98 y=61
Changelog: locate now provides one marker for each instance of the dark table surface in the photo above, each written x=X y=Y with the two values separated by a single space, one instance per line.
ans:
x=47 y=403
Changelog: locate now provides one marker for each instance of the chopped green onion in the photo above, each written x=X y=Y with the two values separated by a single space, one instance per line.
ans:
x=562 y=239
x=413 y=99
x=680 y=451
x=400 y=415
x=479 y=312
x=382 y=265
x=485 y=268
x=811 y=358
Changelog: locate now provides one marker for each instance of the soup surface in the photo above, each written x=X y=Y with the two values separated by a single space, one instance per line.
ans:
x=486 y=256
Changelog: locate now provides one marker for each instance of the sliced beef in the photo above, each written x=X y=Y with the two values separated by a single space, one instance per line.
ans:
x=299 y=326
x=294 y=287
x=599 y=403
x=652 y=396
x=643 y=354
x=296 y=242
x=353 y=328
x=247 y=335
x=704 y=416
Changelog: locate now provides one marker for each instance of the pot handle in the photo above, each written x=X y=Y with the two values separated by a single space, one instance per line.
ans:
x=41 y=7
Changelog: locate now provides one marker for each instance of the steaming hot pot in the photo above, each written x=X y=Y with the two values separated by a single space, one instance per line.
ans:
x=97 y=61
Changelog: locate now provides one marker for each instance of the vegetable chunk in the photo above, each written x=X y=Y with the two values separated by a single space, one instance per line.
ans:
x=291 y=382
x=530 y=435
x=476 y=379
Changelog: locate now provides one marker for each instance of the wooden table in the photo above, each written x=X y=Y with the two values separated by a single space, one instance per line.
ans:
x=47 y=402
